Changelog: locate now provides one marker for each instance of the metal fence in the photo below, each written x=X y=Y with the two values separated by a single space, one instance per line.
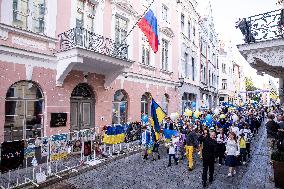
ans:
x=83 y=38
x=38 y=163
x=262 y=27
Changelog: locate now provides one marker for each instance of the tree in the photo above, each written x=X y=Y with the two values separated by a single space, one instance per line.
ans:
x=250 y=87
x=249 y=84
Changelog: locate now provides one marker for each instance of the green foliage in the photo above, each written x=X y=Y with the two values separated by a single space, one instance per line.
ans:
x=249 y=84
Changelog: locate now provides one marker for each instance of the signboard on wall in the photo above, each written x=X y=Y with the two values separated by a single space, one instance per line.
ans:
x=58 y=119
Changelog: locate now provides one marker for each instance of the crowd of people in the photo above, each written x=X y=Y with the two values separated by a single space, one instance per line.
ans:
x=221 y=136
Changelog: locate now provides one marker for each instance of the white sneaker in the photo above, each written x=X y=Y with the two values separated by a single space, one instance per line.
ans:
x=230 y=174
x=244 y=163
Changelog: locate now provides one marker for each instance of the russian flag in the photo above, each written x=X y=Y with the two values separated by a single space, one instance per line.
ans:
x=149 y=26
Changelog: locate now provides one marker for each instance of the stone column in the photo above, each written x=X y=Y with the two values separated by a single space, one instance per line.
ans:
x=281 y=90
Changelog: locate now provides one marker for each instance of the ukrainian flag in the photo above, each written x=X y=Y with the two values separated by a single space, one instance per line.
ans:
x=114 y=135
x=157 y=116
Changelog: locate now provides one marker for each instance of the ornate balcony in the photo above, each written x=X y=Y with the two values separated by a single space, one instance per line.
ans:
x=262 y=27
x=83 y=50
x=82 y=38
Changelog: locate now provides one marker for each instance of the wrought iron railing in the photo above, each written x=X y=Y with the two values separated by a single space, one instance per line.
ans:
x=82 y=38
x=263 y=26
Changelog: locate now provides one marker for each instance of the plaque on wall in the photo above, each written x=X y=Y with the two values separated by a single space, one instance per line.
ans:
x=58 y=119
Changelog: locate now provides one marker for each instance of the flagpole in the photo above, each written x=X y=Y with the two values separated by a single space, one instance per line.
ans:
x=130 y=31
x=139 y=19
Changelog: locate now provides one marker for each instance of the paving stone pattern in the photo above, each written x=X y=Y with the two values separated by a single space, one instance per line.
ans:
x=135 y=173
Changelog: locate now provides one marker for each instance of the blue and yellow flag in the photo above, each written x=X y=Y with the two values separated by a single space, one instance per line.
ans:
x=157 y=115
x=114 y=134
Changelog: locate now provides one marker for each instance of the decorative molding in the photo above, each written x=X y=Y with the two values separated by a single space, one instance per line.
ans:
x=167 y=31
x=125 y=5
x=3 y=34
x=28 y=43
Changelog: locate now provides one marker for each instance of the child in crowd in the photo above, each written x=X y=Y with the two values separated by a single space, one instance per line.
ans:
x=248 y=136
x=242 y=145
x=172 y=153
x=221 y=147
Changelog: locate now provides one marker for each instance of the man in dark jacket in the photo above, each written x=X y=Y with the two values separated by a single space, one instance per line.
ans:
x=208 y=154
x=272 y=129
x=191 y=143
x=169 y=124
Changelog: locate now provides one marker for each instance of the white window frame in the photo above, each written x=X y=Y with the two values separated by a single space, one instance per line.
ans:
x=165 y=13
x=165 y=54
x=182 y=22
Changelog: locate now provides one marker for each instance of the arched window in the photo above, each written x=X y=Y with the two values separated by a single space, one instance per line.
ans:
x=165 y=103
x=23 y=111
x=186 y=103
x=145 y=103
x=119 y=107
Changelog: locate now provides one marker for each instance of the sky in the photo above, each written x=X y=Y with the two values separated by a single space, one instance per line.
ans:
x=226 y=13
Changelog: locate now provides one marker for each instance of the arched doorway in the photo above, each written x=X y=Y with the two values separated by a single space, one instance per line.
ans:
x=82 y=108
x=23 y=111
x=120 y=107
x=145 y=103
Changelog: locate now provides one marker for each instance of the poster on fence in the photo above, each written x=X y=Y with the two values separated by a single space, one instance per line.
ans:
x=12 y=155
x=87 y=148
x=30 y=149
x=44 y=147
x=58 y=147
x=77 y=146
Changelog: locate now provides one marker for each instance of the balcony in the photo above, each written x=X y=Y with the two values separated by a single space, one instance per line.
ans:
x=263 y=44
x=83 y=50
x=82 y=38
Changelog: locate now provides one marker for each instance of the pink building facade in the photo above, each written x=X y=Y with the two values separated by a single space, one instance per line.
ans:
x=72 y=61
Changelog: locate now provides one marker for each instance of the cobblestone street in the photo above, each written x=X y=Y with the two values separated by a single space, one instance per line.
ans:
x=133 y=172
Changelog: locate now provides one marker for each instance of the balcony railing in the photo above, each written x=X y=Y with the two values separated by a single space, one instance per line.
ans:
x=82 y=38
x=262 y=27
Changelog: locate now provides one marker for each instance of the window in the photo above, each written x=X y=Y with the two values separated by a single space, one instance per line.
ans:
x=38 y=12
x=186 y=74
x=20 y=13
x=23 y=111
x=145 y=103
x=165 y=13
x=187 y=99
x=209 y=77
x=119 y=107
x=91 y=17
x=120 y=29
x=80 y=14
x=145 y=55
x=224 y=84
x=165 y=103
x=165 y=54
x=194 y=33
x=182 y=22
x=204 y=74
x=188 y=30
x=209 y=53
x=201 y=73
x=193 y=68
x=224 y=68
